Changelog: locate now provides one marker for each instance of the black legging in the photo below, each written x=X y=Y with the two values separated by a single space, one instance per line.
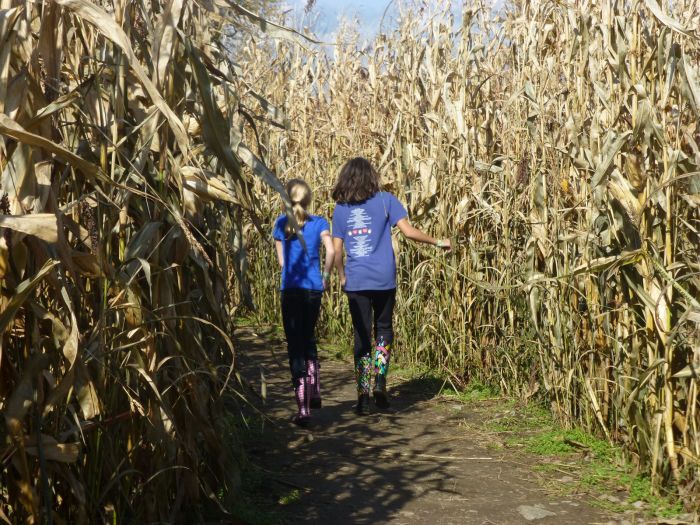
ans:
x=300 y=309
x=370 y=308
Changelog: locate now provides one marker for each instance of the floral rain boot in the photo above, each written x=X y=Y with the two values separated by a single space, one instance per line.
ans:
x=382 y=355
x=363 y=374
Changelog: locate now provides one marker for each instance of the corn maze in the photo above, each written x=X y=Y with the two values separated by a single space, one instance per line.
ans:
x=142 y=155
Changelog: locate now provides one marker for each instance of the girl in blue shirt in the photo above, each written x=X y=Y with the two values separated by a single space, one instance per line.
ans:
x=303 y=283
x=362 y=222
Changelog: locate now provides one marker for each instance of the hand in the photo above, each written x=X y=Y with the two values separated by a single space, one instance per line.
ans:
x=325 y=278
x=444 y=244
x=343 y=280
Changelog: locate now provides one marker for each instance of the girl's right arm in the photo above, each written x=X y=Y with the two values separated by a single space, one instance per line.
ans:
x=338 y=248
x=280 y=253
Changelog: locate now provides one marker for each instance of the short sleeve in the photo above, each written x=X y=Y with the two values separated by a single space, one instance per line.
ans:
x=323 y=225
x=339 y=222
x=396 y=210
x=278 y=231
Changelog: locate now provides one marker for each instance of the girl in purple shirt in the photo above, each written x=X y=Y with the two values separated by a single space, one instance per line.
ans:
x=362 y=223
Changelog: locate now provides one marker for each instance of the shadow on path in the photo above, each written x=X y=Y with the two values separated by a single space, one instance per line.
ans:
x=410 y=464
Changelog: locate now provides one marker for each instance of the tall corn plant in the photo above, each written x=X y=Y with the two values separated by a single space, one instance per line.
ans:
x=557 y=144
x=125 y=187
x=622 y=247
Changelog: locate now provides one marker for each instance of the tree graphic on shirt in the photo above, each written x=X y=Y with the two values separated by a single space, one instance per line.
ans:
x=359 y=230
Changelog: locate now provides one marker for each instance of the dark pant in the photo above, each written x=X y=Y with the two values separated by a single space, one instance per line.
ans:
x=371 y=308
x=300 y=309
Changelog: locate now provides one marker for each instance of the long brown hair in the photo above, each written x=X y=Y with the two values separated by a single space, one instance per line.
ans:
x=300 y=194
x=357 y=181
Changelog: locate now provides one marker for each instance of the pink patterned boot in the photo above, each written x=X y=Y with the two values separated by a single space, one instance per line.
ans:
x=313 y=377
x=301 y=389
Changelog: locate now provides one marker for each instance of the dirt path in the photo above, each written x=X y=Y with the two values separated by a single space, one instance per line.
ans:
x=415 y=463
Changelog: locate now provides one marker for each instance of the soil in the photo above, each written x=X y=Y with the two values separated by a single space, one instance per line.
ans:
x=417 y=462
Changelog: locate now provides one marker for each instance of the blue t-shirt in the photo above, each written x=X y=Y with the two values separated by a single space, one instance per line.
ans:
x=365 y=228
x=302 y=268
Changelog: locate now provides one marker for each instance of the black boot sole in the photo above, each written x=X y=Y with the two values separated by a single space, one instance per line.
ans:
x=302 y=422
x=381 y=400
x=362 y=406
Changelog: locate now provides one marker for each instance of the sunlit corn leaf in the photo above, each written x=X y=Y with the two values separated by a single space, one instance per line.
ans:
x=613 y=144
x=688 y=371
x=206 y=184
x=12 y=129
x=106 y=24
x=667 y=20
x=165 y=39
x=270 y=28
x=41 y=225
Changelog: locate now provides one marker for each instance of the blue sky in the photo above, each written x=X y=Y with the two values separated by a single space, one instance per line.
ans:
x=329 y=12
x=326 y=14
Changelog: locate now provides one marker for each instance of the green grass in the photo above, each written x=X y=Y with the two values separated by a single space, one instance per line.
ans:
x=410 y=372
x=560 y=441
x=593 y=465
x=245 y=321
x=293 y=496
x=335 y=351
x=547 y=467
x=602 y=469
x=663 y=505
x=475 y=391
x=602 y=477
x=262 y=328
x=512 y=417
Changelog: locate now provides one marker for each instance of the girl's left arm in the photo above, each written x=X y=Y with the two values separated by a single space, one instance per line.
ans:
x=329 y=257
x=280 y=253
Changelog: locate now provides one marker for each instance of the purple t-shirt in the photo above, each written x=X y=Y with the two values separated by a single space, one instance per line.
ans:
x=302 y=268
x=365 y=228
